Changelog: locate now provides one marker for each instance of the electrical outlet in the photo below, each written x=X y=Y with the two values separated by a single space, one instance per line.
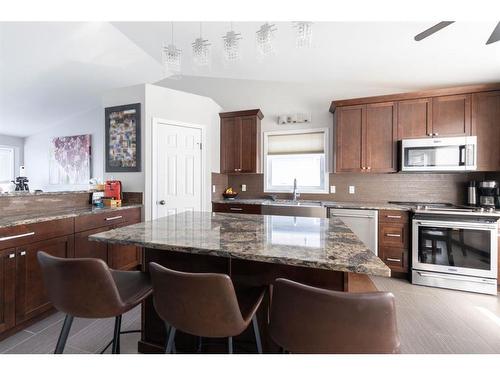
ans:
x=352 y=190
x=213 y=188
x=332 y=189
x=243 y=187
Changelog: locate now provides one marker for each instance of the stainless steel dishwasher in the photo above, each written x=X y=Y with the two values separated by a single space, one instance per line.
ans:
x=363 y=223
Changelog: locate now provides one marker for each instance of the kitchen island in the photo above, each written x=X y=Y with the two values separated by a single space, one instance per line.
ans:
x=254 y=250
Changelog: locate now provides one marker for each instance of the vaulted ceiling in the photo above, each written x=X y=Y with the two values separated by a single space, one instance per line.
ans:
x=52 y=71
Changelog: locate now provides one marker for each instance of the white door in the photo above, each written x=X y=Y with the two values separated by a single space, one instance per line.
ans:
x=178 y=170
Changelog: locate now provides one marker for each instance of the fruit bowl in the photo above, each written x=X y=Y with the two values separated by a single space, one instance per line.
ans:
x=229 y=195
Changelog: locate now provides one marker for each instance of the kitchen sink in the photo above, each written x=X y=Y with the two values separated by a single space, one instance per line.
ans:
x=283 y=207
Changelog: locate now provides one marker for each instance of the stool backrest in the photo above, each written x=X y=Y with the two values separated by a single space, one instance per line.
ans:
x=80 y=287
x=201 y=304
x=306 y=319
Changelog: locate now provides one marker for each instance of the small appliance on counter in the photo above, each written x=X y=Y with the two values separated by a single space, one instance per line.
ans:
x=488 y=193
x=112 y=193
x=21 y=182
x=472 y=193
x=229 y=193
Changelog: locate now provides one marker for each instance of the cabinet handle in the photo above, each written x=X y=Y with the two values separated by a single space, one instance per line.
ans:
x=429 y=134
x=17 y=236
x=113 y=218
x=435 y=134
x=363 y=168
x=235 y=209
x=12 y=256
x=393 y=217
x=368 y=167
x=22 y=253
x=393 y=259
x=392 y=235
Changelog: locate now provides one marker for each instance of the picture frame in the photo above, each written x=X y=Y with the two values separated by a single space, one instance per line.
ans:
x=123 y=138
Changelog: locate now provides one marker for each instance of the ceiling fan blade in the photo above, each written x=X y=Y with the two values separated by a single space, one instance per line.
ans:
x=495 y=35
x=432 y=30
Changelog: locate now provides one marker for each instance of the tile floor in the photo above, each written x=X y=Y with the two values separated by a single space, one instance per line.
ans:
x=430 y=321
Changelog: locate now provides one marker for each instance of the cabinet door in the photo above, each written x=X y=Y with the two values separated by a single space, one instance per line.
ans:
x=414 y=118
x=91 y=249
x=230 y=145
x=248 y=144
x=349 y=150
x=381 y=137
x=486 y=127
x=7 y=289
x=451 y=115
x=31 y=298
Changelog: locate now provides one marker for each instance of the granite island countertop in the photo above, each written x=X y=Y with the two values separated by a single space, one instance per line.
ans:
x=324 y=203
x=14 y=220
x=298 y=241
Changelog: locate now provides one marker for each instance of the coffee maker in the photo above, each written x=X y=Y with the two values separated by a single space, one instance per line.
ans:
x=488 y=194
x=21 y=182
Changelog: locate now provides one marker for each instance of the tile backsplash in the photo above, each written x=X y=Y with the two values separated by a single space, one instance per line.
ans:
x=424 y=187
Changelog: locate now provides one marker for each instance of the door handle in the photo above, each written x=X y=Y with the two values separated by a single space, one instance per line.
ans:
x=162 y=202
x=113 y=218
x=17 y=236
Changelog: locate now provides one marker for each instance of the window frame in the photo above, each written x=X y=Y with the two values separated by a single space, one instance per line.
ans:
x=13 y=166
x=326 y=138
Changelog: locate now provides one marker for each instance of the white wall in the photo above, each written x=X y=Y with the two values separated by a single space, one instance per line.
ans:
x=273 y=98
x=17 y=143
x=36 y=149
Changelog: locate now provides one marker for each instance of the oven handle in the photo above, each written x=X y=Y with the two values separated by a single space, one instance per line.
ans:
x=455 y=224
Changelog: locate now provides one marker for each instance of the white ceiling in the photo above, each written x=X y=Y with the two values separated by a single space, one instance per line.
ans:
x=52 y=71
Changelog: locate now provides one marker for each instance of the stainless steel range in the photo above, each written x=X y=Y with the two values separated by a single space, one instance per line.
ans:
x=455 y=248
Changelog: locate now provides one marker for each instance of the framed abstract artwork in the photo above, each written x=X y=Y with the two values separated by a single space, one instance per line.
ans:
x=123 y=138
x=70 y=160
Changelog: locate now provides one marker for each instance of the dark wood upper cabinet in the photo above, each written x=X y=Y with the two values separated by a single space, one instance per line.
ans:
x=486 y=126
x=451 y=115
x=381 y=138
x=350 y=124
x=7 y=289
x=240 y=141
x=414 y=118
x=366 y=138
x=31 y=298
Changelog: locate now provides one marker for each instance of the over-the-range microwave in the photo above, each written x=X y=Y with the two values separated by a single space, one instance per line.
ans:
x=439 y=154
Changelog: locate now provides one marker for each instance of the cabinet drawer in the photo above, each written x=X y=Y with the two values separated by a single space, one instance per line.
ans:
x=393 y=235
x=394 y=258
x=392 y=216
x=113 y=217
x=24 y=234
x=236 y=208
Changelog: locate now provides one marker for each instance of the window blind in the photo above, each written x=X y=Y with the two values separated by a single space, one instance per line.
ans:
x=301 y=143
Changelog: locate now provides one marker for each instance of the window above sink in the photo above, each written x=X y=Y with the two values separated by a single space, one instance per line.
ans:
x=296 y=154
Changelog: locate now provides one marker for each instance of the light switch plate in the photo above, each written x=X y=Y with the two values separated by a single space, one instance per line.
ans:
x=332 y=189
x=243 y=187
x=213 y=188
x=352 y=189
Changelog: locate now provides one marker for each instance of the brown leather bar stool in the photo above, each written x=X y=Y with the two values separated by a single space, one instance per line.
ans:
x=87 y=288
x=306 y=319
x=203 y=305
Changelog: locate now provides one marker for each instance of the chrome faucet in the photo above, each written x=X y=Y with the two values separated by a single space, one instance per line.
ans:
x=296 y=194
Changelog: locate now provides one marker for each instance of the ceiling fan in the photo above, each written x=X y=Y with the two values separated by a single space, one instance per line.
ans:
x=494 y=37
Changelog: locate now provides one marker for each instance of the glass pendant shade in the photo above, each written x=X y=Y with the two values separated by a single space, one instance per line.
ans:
x=303 y=37
x=265 y=39
x=231 y=46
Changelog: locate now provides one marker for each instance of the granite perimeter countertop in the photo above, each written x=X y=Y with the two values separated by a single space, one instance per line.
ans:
x=41 y=193
x=13 y=220
x=329 y=204
x=299 y=241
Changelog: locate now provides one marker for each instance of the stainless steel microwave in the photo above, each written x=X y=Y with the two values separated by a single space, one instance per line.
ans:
x=439 y=154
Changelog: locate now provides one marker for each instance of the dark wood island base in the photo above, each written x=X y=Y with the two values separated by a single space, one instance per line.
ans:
x=245 y=274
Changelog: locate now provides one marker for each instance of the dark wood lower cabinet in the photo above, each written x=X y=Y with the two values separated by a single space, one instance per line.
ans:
x=31 y=298
x=7 y=289
x=91 y=249
x=123 y=257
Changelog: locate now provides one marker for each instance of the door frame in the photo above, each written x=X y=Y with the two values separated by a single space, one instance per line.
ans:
x=156 y=122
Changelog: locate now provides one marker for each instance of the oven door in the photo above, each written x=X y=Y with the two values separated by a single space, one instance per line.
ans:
x=439 y=154
x=460 y=248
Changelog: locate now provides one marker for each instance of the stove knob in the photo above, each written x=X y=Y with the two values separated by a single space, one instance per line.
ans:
x=480 y=209
x=491 y=209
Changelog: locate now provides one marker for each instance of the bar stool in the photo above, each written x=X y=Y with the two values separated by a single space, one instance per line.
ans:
x=87 y=288
x=203 y=305
x=306 y=319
